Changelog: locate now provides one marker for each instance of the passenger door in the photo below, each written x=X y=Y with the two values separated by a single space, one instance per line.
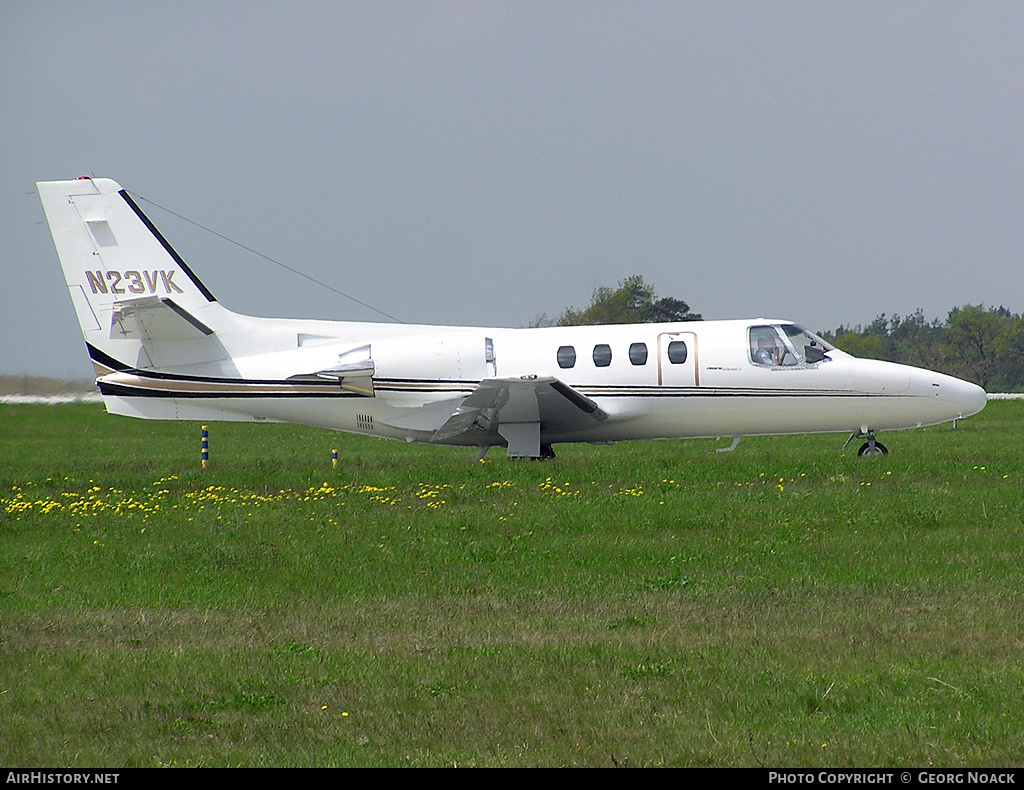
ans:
x=677 y=359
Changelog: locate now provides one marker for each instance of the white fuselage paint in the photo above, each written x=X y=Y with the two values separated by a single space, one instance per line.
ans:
x=718 y=391
x=164 y=348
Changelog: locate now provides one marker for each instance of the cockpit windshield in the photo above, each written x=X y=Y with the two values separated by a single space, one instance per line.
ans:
x=786 y=345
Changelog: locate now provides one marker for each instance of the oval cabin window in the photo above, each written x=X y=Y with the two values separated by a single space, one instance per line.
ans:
x=638 y=353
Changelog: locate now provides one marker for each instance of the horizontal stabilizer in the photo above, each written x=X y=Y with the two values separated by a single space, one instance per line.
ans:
x=153 y=319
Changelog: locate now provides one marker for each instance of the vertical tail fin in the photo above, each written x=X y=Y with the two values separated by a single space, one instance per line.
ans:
x=138 y=303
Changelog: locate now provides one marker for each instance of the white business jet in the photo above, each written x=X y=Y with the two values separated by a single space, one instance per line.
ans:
x=164 y=348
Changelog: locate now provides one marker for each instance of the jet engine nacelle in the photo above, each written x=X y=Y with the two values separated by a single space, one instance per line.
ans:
x=432 y=358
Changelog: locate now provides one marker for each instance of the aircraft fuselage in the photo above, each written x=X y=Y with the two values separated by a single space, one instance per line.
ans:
x=163 y=347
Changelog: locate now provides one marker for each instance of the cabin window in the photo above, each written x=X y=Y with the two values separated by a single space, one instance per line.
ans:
x=638 y=353
x=602 y=355
x=566 y=356
x=766 y=348
x=677 y=352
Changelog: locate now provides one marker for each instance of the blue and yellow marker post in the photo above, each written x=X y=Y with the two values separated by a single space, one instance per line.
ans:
x=334 y=458
x=206 y=447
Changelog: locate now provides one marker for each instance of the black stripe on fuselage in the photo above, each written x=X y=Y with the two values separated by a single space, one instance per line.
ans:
x=709 y=392
x=456 y=387
x=105 y=359
x=128 y=391
x=331 y=389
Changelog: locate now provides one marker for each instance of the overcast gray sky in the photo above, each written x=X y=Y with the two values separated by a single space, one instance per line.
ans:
x=486 y=162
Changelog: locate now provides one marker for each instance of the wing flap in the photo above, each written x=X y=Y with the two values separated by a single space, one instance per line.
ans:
x=496 y=404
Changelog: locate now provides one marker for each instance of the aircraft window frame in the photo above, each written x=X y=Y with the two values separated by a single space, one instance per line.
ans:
x=769 y=349
x=776 y=346
x=672 y=352
x=566 y=357
x=602 y=355
x=638 y=353
x=808 y=347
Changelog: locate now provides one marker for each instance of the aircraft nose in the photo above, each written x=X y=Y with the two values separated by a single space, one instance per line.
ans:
x=971 y=396
x=963 y=396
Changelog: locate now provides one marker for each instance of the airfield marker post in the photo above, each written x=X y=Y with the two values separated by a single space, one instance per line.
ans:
x=334 y=458
x=206 y=447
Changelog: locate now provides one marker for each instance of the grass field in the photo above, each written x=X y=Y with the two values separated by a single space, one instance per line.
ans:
x=647 y=604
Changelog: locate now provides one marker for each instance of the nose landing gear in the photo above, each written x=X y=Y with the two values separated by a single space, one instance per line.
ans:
x=871 y=447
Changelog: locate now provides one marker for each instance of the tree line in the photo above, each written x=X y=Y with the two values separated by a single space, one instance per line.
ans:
x=977 y=343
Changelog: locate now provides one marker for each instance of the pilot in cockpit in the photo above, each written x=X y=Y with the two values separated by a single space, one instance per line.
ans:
x=765 y=347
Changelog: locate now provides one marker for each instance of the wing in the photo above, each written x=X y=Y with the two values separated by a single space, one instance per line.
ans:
x=518 y=410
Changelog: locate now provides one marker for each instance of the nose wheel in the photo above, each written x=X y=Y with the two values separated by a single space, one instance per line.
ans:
x=871 y=447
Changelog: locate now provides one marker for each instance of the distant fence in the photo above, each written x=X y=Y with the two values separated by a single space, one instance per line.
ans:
x=53 y=400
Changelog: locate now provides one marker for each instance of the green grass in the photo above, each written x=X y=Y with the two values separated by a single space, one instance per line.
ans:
x=647 y=604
